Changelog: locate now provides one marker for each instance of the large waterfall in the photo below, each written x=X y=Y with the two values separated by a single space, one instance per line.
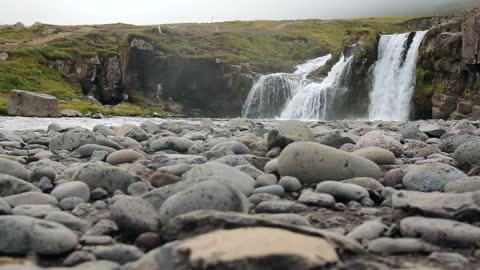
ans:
x=314 y=100
x=395 y=76
x=271 y=93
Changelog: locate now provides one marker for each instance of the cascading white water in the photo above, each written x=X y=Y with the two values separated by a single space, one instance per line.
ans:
x=313 y=100
x=272 y=92
x=395 y=76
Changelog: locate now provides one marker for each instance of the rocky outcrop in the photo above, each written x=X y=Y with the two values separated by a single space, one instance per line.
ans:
x=198 y=83
x=471 y=38
x=23 y=103
x=449 y=64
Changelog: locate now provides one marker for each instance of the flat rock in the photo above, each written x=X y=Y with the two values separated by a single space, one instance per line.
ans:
x=172 y=143
x=368 y=230
x=312 y=198
x=440 y=231
x=391 y=246
x=278 y=207
x=31 y=198
x=312 y=163
x=120 y=254
x=22 y=235
x=463 y=206
x=470 y=184
x=258 y=248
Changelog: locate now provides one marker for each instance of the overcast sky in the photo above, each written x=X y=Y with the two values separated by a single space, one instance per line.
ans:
x=173 y=11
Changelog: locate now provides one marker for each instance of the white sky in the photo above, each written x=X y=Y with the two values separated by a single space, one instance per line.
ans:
x=172 y=11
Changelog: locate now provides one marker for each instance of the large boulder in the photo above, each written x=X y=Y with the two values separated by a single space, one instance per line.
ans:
x=222 y=173
x=206 y=195
x=21 y=235
x=312 y=163
x=288 y=132
x=23 y=103
x=431 y=177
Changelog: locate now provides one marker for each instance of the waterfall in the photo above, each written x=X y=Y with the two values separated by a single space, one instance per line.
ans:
x=314 y=100
x=395 y=76
x=270 y=93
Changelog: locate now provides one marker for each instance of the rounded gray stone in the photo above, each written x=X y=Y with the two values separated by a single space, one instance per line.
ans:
x=72 y=189
x=290 y=184
x=124 y=156
x=14 y=169
x=431 y=177
x=206 y=195
x=133 y=215
x=343 y=191
x=273 y=189
x=312 y=163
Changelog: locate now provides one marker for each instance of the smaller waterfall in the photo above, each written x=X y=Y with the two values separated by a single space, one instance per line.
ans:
x=271 y=93
x=314 y=100
x=394 y=76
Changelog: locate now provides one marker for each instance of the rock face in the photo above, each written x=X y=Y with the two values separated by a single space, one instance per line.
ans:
x=23 y=103
x=471 y=38
x=21 y=235
x=261 y=248
x=312 y=163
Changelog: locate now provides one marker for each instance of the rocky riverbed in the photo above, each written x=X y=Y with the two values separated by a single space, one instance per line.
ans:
x=240 y=194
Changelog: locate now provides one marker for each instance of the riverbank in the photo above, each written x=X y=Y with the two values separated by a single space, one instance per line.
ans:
x=127 y=193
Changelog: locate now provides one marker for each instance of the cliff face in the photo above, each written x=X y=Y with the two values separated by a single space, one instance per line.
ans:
x=449 y=68
x=198 y=83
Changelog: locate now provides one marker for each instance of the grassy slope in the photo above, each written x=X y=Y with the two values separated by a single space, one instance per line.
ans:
x=255 y=42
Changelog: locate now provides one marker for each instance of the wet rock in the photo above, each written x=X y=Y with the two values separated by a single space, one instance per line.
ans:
x=343 y=191
x=222 y=173
x=137 y=134
x=376 y=154
x=288 y=132
x=21 y=235
x=440 y=231
x=389 y=246
x=380 y=139
x=133 y=215
x=432 y=130
x=312 y=163
x=431 y=177
x=148 y=241
x=206 y=195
